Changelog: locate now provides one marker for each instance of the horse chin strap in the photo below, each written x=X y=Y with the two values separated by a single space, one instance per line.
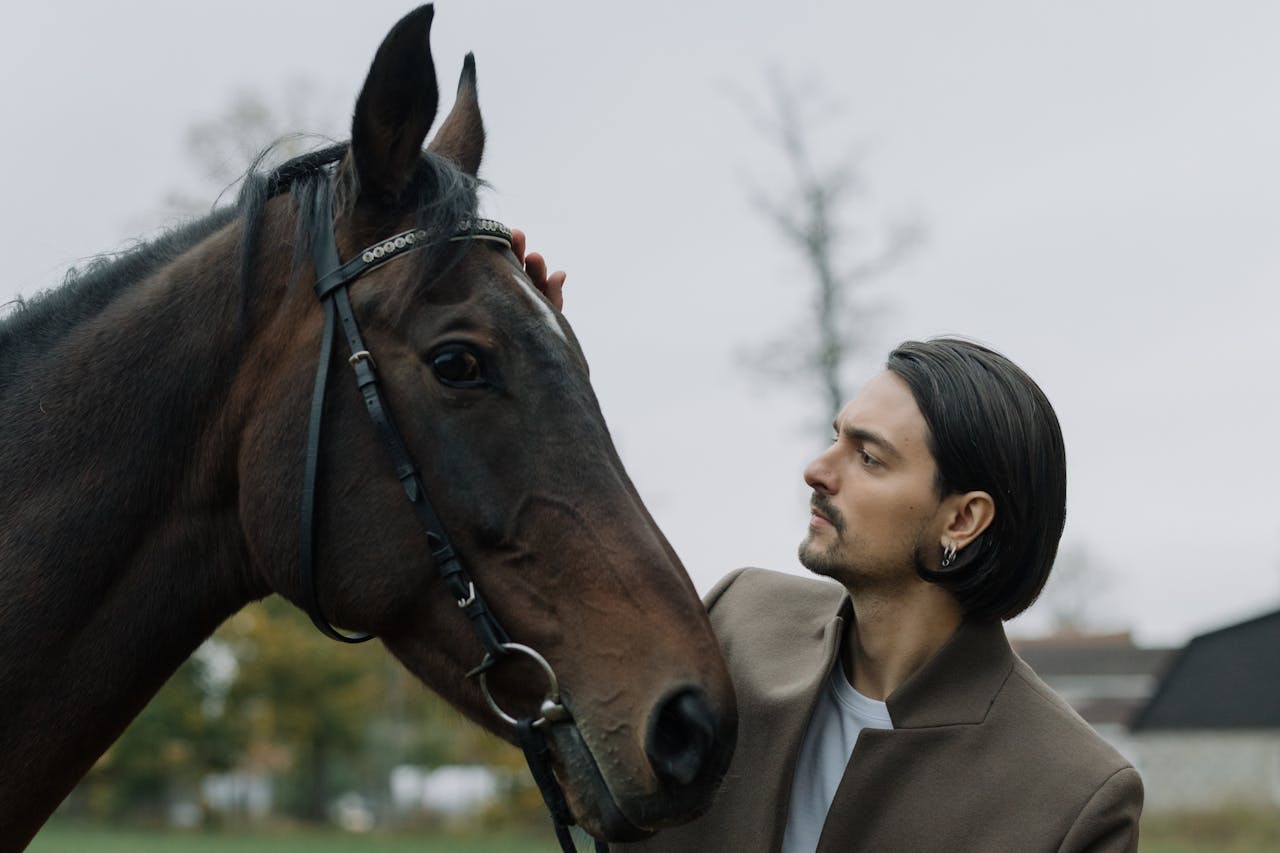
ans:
x=333 y=278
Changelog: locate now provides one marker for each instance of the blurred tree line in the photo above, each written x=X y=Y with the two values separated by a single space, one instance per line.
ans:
x=270 y=696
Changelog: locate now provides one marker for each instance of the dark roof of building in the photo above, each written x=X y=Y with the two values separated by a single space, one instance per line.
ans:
x=1090 y=654
x=1226 y=679
x=1108 y=711
x=1105 y=677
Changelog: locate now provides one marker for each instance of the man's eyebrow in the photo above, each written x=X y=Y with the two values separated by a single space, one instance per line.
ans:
x=866 y=436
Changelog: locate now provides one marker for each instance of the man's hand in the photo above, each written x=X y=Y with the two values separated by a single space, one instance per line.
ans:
x=551 y=286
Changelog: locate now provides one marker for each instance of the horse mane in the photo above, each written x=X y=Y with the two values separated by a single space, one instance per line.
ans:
x=37 y=323
x=445 y=196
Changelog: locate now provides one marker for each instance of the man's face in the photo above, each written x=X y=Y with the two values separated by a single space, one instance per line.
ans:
x=875 y=508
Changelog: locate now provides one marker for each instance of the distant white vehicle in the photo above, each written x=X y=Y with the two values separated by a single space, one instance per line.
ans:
x=452 y=790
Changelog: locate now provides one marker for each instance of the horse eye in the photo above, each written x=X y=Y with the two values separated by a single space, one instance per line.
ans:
x=458 y=366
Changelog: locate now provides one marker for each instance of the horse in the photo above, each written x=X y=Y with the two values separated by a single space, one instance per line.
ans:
x=160 y=416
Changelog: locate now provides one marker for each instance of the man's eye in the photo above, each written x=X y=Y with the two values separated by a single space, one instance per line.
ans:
x=458 y=366
x=867 y=458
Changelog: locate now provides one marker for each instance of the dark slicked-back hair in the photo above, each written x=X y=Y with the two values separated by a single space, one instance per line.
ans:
x=991 y=429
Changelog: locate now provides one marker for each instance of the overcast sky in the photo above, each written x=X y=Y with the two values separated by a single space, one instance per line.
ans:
x=1099 y=180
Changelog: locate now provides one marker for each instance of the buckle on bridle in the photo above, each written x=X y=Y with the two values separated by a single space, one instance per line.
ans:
x=464 y=603
x=362 y=355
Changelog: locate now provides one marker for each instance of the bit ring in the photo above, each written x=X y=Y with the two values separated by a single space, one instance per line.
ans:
x=552 y=710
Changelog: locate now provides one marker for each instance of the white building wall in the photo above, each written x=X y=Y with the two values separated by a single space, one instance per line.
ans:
x=1193 y=770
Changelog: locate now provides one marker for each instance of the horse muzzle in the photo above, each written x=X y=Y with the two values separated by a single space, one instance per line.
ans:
x=688 y=744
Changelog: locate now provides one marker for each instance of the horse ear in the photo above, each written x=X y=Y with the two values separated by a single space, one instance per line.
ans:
x=461 y=137
x=395 y=109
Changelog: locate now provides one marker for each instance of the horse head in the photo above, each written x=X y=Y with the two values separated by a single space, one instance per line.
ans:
x=489 y=392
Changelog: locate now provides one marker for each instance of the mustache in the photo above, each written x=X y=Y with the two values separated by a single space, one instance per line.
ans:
x=822 y=505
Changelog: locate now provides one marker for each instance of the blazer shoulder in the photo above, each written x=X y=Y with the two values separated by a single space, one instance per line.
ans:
x=751 y=587
x=764 y=617
x=1108 y=823
x=1064 y=740
x=709 y=600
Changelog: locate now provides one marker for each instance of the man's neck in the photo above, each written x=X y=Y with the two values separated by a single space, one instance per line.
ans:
x=893 y=633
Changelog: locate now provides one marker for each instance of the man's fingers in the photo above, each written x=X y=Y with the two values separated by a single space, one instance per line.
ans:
x=536 y=267
x=555 y=290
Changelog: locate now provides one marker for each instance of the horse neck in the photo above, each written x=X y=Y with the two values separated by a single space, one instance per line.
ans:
x=120 y=549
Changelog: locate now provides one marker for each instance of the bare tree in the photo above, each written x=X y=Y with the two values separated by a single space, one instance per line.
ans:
x=1079 y=581
x=223 y=147
x=814 y=216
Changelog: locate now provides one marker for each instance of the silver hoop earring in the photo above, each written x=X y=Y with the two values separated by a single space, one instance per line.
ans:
x=948 y=554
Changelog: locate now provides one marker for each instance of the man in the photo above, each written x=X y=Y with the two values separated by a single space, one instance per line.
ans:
x=887 y=712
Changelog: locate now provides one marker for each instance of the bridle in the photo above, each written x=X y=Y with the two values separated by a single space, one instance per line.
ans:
x=332 y=280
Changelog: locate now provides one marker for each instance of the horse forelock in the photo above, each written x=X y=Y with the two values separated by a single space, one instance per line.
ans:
x=439 y=198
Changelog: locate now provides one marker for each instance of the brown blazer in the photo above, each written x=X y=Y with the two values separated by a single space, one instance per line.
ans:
x=983 y=756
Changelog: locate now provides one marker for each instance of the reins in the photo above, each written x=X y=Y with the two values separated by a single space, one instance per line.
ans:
x=333 y=277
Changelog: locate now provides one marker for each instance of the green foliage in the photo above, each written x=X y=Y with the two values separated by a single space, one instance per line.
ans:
x=301 y=702
x=168 y=748
x=274 y=697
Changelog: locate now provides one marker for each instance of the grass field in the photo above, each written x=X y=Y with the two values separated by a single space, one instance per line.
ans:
x=1227 y=831
x=61 y=838
x=1239 y=832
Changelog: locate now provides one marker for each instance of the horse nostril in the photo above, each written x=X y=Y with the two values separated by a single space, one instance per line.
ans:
x=681 y=736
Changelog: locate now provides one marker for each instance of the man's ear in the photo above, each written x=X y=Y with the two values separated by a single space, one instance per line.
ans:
x=970 y=514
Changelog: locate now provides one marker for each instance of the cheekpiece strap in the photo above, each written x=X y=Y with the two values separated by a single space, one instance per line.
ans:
x=332 y=278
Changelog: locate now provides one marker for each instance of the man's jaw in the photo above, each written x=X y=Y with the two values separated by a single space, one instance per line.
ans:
x=821 y=559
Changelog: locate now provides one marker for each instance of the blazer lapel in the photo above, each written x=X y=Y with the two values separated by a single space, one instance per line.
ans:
x=790 y=709
x=958 y=684
x=954 y=688
x=781 y=634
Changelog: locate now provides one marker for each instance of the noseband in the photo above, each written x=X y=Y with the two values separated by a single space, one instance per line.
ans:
x=333 y=279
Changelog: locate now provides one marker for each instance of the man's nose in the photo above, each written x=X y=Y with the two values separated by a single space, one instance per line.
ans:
x=818 y=475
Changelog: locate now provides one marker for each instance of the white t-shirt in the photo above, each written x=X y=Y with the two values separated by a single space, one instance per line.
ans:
x=838 y=716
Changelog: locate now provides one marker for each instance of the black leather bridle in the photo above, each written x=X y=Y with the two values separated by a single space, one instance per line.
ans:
x=332 y=280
